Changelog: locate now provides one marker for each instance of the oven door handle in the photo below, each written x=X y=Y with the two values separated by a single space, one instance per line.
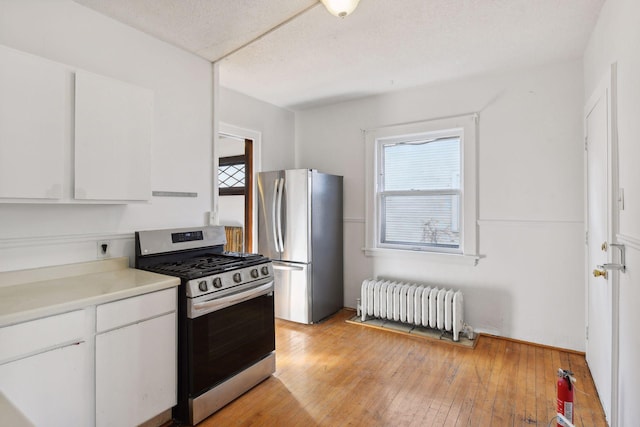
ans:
x=201 y=308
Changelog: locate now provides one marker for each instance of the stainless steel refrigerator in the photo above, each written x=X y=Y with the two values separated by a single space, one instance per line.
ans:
x=300 y=229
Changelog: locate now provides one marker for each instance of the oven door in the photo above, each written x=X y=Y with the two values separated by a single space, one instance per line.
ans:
x=228 y=335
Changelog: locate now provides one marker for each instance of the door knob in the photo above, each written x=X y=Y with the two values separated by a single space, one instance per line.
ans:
x=600 y=273
x=604 y=247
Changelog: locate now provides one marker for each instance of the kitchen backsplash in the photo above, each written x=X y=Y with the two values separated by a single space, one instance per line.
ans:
x=33 y=252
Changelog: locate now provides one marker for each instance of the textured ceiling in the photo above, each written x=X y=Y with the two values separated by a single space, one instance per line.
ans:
x=316 y=58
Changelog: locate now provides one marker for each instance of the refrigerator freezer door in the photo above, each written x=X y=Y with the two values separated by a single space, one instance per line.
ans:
x=326 y=245
x=296 y=216
x=292 y=292
x=269 y=198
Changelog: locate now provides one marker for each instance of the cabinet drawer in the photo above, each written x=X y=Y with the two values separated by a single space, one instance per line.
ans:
x=131 y=310
x=41 y=334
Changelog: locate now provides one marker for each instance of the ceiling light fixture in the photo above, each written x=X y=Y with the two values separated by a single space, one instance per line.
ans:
x=340 y=8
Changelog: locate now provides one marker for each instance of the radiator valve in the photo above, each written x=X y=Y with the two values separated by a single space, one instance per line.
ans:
x=468 y=330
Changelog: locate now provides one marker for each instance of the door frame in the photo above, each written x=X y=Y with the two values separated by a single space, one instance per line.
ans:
x=242 y=134
x=608 y=87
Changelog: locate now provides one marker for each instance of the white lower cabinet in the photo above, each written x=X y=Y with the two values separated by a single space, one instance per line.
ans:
x=49 y=388
x=44 y=366
x=136 y=364
x=48 y=365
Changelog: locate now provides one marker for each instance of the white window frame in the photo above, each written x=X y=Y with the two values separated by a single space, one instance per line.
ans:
x=466 y=126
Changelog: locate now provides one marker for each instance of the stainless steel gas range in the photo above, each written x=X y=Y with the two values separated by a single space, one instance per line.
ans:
x=226 y=332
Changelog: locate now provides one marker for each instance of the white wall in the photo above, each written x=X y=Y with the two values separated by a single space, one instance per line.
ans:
x=615 y=39
x=531 y=234
x=275 y=124
x=63 y=31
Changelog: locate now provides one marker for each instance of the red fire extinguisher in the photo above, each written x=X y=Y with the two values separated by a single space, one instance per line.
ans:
x=565 y=396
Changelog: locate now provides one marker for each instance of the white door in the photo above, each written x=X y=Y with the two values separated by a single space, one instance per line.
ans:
x=599 y=284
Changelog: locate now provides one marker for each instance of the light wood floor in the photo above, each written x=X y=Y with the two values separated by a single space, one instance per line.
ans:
x=338 y=374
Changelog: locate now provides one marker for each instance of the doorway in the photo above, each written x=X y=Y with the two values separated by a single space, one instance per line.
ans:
x=237 y=152
x=235 y=191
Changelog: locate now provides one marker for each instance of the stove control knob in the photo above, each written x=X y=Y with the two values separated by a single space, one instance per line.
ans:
x=202 y=285
x=254 y=273
x=217 y=283
x=237 y=277
x=265 y=270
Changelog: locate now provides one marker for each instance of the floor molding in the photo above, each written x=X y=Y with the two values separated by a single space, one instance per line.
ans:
x=535 y=344
x=478 y=335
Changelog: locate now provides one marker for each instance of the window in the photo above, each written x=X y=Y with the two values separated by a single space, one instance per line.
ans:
x=231 y=173
x=421 y=187
x=419 y=192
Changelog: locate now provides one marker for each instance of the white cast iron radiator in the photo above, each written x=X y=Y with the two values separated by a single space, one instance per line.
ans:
x=421 y=305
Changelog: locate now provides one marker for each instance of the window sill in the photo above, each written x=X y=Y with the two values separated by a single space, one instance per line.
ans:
x=436 y=257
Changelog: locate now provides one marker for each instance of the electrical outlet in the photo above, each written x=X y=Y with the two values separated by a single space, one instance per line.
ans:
x=104 y=249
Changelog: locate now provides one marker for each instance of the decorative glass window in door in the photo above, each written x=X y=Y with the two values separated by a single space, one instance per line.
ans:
x=231 y=176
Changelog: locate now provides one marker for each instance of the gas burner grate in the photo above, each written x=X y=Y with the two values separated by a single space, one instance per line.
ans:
x=207 y=264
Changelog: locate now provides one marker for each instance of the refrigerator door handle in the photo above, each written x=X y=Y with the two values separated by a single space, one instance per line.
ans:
x=287 y=267
x=279 y=241
x=273 y=214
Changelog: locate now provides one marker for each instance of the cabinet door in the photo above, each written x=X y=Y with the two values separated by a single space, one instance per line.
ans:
x=35 y=123
x=113 y=131
x=136 y=372
x=49 y=388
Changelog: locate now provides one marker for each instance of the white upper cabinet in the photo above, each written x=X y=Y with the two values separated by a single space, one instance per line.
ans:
x=35 y=122
x=113 y=133
x=102 y=155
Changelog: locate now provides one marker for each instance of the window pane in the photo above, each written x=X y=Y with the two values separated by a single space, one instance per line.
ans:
x=431 y=165
x=430 y=221
x=231 y=176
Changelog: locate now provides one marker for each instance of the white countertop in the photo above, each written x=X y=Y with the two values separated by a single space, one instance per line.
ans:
x=11 y=416
x=41 y=292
